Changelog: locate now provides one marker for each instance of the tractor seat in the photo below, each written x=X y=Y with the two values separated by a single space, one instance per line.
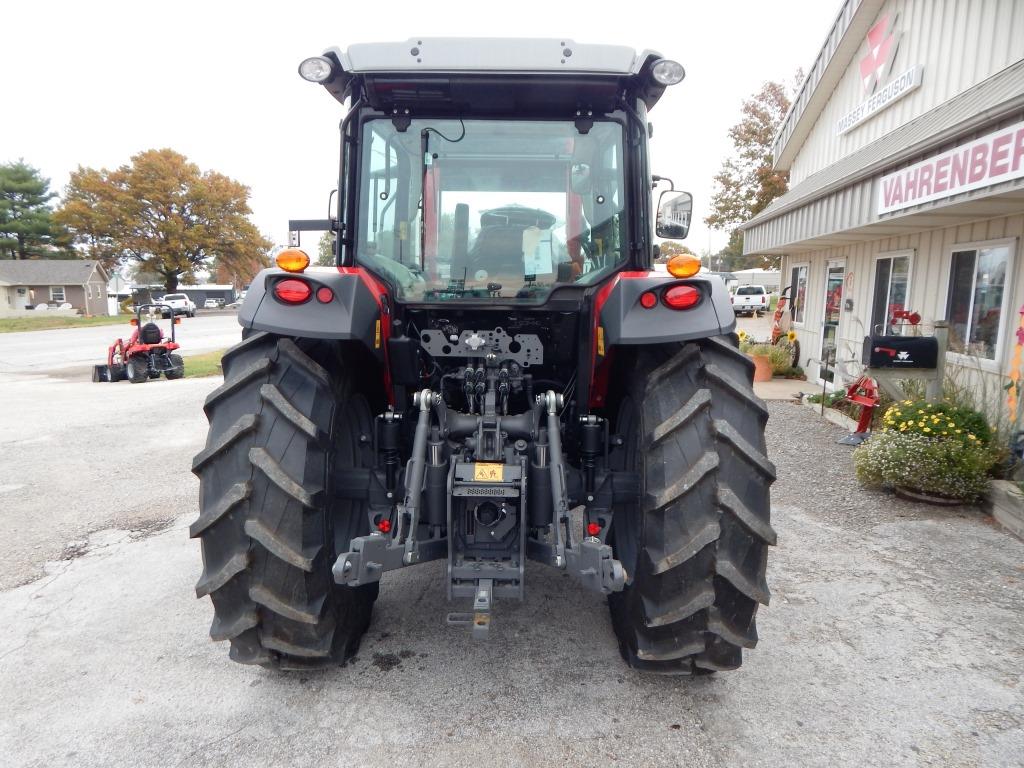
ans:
x=498 y=250
x=150 y=334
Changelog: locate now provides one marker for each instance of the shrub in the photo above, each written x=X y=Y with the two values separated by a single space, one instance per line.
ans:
x=937 y=420
x=951 y=468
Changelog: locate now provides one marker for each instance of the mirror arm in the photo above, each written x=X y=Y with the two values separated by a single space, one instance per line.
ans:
x=656 y=179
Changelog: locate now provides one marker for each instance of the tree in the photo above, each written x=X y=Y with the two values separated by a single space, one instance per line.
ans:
x=161 y=212
x=670 y=248
x=748 y=181
x=325 y=250
x=27 y=228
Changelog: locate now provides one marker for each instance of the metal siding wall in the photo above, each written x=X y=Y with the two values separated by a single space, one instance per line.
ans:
x=929 y=282
x=959 y=42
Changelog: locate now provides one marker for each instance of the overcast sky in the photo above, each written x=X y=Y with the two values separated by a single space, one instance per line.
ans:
x=92 y=83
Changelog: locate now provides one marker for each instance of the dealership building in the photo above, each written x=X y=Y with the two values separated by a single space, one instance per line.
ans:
x=905 y=149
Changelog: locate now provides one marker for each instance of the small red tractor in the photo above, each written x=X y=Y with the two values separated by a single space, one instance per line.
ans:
x=148 y=352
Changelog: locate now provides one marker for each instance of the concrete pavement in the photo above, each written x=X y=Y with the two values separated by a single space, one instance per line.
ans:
x=893 y=637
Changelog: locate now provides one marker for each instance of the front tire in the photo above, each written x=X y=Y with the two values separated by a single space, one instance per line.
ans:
x=287 y=416
x=695 y=546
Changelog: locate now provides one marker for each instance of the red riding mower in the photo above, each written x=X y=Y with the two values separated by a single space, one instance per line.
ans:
x=148 y=352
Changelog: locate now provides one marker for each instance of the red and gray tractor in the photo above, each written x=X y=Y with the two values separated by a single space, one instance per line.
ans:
x=492 y=374
x=149 y=352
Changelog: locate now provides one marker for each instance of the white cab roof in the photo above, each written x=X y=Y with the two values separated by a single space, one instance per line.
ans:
x=459 y=54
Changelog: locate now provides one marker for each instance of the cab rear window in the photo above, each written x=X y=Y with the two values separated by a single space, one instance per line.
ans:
x=749 y=290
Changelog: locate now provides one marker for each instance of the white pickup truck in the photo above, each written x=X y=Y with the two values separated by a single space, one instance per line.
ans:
x=180 y=304
x=749 y=299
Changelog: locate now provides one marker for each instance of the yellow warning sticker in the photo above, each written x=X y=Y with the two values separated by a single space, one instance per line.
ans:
x=376 y=336
x=489 y=473
x=600 y=341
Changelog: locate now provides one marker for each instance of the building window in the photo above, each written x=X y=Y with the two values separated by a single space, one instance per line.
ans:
x=798 y=291
x=57 y=294
x=892 y=284
x=975 y=304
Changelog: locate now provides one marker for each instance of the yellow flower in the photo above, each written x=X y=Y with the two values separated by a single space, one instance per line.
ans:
x=903 y=427
x=906 y=402
x=959 y=431
x=951 y=425
x=927 y=429
x=791 y=335
x=971 y=437
x=742 y=335
x=920 y=423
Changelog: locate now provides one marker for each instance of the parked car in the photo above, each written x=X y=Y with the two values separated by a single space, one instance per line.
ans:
x=212 y=304
x=750 y=300
x=180 y=304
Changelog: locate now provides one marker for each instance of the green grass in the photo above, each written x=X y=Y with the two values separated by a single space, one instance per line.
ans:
x=206 y=364
x=43 y=323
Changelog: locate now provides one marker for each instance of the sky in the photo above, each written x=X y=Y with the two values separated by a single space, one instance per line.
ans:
x=93 y=83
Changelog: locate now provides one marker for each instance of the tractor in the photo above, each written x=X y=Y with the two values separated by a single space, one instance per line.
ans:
x=492 y=373
x=148 y=352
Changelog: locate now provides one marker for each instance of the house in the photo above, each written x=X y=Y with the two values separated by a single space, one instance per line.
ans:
x=80 y=283
x=905 y=149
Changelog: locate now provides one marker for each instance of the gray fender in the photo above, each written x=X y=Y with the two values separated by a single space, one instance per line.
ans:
x=352 y=312
x=626 y=322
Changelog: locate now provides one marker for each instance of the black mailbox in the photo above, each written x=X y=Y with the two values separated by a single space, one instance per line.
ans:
x=901 y=352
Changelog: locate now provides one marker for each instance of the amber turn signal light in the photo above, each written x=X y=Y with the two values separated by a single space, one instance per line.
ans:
x=292 y=260
x=683 y=265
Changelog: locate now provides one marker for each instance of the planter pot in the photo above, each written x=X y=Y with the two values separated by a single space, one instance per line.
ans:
x=927 y=498
x=1005 y=502
x=762 y=367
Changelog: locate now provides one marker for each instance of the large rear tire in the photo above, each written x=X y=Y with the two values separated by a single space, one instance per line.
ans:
x=137 y=369
x=695 y=546
x=287 y=416
x=177 y=369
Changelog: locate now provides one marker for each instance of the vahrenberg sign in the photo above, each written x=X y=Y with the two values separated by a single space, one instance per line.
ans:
x=995 y=157
x=894 y=91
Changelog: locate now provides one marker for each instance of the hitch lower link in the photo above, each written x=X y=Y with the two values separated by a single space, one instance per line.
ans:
x=590 y=561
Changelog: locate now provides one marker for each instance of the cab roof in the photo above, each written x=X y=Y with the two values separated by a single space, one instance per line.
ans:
x=492 y=74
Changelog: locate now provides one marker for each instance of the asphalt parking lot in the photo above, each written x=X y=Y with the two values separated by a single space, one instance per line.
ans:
x=79 y=348
x=892 y=639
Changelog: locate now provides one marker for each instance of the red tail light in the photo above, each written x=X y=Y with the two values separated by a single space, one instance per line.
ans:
x=648 y=300
x=680 y=296
x=292 y=291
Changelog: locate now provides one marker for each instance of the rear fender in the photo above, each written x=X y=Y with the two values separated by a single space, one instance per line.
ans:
x=624 y=321
x=355 y=311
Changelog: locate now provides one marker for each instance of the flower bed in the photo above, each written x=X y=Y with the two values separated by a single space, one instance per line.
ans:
x=934 y=449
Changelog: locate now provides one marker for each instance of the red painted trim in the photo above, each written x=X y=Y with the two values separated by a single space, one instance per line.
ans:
x=377 y=290
x=599 y=372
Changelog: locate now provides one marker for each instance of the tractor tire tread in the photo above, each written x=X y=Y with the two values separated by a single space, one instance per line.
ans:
x=263 y=523
x=704 y=513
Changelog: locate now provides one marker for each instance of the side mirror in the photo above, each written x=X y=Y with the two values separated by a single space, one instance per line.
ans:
x=674 y=209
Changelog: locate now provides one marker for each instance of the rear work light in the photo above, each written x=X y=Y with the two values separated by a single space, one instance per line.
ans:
x=680 y=296
x=292 y=291
x=648 y=300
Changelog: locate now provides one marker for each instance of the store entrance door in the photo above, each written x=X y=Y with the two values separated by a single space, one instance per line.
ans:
x=835 y=273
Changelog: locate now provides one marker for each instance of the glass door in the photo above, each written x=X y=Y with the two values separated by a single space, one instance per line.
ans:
x=835 y=273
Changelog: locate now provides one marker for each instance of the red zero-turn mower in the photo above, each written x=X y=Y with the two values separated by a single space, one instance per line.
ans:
x=148 y=352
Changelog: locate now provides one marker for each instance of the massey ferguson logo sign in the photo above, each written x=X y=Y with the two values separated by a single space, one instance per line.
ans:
x=883 y=42
x=882 y=45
